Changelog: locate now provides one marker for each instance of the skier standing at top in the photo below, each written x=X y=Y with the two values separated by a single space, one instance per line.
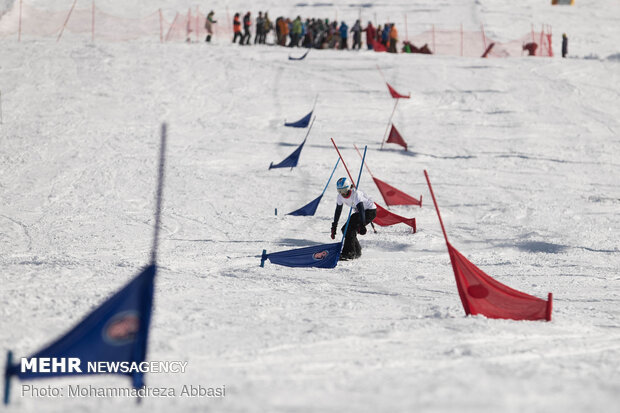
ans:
x=564 y=45
x=260 y=25
x=237 y=29
x=209 y=25
x=247 y=24
x=366 y=213
x=357 y=35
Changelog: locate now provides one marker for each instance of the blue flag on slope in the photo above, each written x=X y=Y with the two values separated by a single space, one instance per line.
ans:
x=291 y=160
x=310 y=208
x=117 y=331
x=301 y=57
x=301 y=123
x=319 y=256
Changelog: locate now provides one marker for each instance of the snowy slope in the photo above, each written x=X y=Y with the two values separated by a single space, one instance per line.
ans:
x=522 y=153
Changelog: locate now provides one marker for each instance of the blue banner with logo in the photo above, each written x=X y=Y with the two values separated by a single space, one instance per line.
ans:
x=319 y=256
x=117 y=331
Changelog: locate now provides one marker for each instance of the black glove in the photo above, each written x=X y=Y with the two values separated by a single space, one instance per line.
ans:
x=362 y=230
x=334 y=228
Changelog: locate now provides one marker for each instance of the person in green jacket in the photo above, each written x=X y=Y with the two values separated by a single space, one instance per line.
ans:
x=296 y=32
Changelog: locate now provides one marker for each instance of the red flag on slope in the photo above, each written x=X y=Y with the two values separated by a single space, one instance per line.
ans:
x=386 y=218
x=394 y=137
x=379 y=47
x=395 y=94
x=393 y=196
x=481 y=294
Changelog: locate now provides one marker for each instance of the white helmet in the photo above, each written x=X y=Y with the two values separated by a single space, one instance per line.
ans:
x=343 y=186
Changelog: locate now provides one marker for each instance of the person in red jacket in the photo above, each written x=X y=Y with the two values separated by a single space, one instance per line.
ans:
x=371 y=34
x=237 y=29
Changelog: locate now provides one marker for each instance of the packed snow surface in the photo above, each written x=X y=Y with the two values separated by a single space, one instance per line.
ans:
x=523 y=154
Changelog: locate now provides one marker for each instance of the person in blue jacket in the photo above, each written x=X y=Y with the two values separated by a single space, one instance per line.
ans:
x=344 y=33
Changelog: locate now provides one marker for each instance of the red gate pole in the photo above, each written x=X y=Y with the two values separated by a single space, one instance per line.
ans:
x=437 y=209
x=389 y=122
x=343 y=162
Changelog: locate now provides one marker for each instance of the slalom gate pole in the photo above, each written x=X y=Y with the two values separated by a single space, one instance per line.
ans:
x=360 y=154
x=160 y=188
x=343 y=162
x=372 y=224
x=311 y=123
x=359 y=176
x=7 y=377
x=330 y=177
x=389 y=122
x=316 y=98
x=436 y=207
x=381 y=71
x=304 y=141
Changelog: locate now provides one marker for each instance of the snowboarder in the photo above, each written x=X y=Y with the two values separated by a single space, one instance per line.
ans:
x=209 y=25
x=564 y=45
x=366 y=213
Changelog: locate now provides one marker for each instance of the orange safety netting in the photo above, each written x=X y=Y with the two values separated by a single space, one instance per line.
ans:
x=24 y=21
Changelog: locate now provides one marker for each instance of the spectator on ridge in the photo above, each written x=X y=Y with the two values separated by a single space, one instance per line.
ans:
x=209 y=22
x=237 y=29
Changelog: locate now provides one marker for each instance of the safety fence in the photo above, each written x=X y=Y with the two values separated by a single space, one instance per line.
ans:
x=26 y=22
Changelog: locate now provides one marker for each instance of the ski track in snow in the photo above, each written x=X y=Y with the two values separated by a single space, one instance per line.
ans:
x=522 y=154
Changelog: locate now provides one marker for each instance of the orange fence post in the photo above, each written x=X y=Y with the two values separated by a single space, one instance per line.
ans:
x=406 y=28
x=197 y=23
x=434 y=46
x=161 y=27
x=93 y=23
x=19 y=32
x=66 y=20
x=461 y=39
x=484 y=38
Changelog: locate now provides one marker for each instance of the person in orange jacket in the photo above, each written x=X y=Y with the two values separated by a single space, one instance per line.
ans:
x=284 y=31
x=393 y=39
x=237 y=29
